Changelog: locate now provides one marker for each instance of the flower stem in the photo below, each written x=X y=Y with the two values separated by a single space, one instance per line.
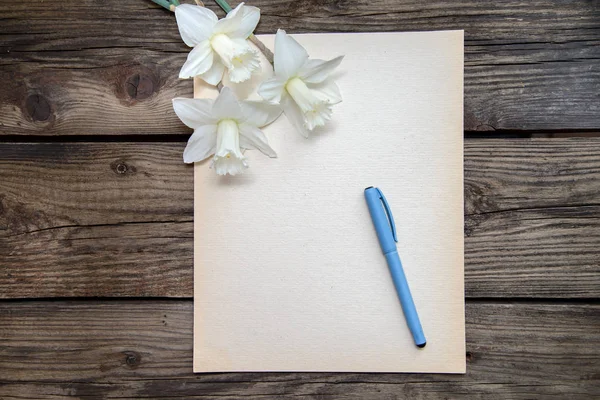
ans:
x=261 y=46
x=224 y=5
x=163 y=3
x=168 y=4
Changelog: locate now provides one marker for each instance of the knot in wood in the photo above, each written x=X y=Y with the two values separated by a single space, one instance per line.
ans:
x=139 y=86
x=38 y=107
x=469 y=356
x=120 y=167
x=132 y=358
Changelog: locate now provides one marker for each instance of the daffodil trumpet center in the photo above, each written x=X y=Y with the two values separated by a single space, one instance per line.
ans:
x=239 y=58
x=228 y=156
x=228 y=138
x=316 y=111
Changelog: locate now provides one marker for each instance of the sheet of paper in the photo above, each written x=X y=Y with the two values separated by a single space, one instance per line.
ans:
x=289 y=275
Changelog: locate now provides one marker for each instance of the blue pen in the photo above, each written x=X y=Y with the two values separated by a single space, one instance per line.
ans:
x=386 y=232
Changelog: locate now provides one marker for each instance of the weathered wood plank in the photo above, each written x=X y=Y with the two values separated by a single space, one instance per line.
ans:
x=532 y=216
x=143 y=349
x=115 y=219
x=86 y=219
x=84 y=68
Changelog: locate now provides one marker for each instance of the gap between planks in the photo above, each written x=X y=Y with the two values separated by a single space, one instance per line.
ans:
x=169 y=138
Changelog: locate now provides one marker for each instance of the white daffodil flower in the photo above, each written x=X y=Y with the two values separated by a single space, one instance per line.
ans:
x=224 y=127
x=218 y=44
x=303 y=87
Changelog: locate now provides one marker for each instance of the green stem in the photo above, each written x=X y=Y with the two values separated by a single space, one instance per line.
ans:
x=224 y=5
x=175 y=2
x=163 y=3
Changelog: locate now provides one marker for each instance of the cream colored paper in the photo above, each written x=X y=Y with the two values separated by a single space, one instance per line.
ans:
x=288 y=272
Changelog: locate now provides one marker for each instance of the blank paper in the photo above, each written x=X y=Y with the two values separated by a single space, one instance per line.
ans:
x=288 y=272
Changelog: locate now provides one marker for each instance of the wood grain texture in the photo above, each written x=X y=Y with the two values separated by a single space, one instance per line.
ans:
x=79 y=68
x=143 y=349
x=532 y=210
x=115 y=219
x=95 y=220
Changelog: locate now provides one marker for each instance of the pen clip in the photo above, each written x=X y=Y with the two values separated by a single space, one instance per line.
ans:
x=388 y=211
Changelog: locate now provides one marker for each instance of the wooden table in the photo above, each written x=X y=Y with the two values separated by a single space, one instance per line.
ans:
x=96 y=204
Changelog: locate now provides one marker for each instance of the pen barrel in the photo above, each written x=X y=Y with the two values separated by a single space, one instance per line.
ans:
x=380 y=220
x=406 y=300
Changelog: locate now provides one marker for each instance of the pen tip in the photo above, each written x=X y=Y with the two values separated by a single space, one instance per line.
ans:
x=370 y=187
x=421 y=345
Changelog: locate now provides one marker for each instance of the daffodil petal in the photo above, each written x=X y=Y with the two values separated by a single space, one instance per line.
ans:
x=253 y=138
x=259 y=113
x=227 y=106
x=316 y=71
x=272 y=89
x=214 y=75
x=290 y=56
x=239 y=22
x=195 y=23
x=202 y=144
x=327 y=91
x=199 y=61
x=194 y=112
x=294 y=115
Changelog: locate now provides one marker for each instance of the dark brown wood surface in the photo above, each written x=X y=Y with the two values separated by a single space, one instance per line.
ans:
x=110 y=68
x=143 y=349
x=96 y=205
x=115 y=219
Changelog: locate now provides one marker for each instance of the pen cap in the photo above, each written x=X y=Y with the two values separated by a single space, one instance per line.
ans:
x=382 y=219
